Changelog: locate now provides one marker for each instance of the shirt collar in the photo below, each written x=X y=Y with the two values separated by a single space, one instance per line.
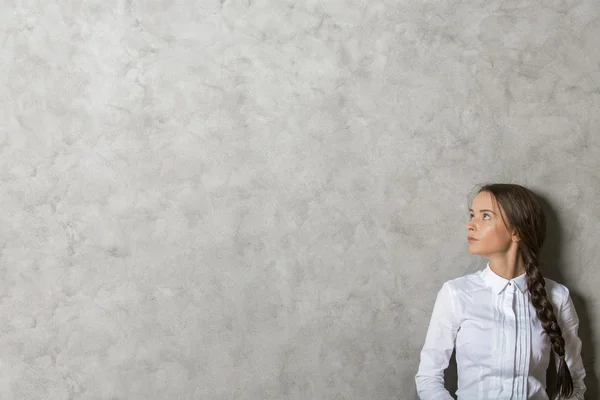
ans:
x=498 y=283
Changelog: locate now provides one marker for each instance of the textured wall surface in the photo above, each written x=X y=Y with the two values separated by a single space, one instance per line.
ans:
x=260 y=199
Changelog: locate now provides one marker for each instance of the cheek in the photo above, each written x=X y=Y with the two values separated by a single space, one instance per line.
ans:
x=494 y=235
x=501 y=234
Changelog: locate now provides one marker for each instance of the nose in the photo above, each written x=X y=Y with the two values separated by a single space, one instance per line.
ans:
x=470 y=226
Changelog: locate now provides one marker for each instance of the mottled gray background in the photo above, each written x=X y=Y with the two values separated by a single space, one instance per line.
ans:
x=260 y=199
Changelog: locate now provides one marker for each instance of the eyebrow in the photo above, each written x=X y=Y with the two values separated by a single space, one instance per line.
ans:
x=483 y=210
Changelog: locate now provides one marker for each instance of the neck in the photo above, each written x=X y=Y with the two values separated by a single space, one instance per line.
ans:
x=507 y=265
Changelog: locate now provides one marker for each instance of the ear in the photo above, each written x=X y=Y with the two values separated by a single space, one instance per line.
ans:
x=515 y=236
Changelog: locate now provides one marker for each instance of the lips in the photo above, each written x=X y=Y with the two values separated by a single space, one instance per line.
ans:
x=472 y=239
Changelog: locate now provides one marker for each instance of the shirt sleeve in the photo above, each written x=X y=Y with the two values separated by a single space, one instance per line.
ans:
x=438 y=347
x=569 y=324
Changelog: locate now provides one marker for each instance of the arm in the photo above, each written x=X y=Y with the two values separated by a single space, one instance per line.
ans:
x=438 y=347
x=569 y=324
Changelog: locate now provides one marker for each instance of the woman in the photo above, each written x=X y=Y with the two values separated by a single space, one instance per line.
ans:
x=504 y=320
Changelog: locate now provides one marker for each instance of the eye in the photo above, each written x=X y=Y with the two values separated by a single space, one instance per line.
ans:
x=470 y=217
x=486 y=215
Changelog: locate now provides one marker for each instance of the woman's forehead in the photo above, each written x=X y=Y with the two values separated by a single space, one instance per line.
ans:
x=484 y=200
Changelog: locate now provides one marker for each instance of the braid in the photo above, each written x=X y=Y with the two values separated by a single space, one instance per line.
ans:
x=545 y=312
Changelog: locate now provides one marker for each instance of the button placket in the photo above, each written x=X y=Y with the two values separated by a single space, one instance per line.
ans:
x=510 y=338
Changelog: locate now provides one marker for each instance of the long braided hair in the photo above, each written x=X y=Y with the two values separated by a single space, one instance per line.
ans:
x=525 y=215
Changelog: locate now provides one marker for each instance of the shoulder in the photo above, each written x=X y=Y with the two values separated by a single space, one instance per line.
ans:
x=465 y=283
x=556 y=292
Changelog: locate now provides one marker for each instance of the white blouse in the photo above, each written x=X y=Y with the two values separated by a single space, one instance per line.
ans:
x=502 y=351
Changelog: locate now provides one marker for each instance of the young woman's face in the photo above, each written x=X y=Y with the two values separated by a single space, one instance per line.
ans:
x=486 y=229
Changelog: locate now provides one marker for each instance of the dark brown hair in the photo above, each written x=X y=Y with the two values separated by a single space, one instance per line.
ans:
x=525 y=216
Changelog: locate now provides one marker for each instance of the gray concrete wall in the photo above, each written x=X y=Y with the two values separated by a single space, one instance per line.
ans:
x=260 y=199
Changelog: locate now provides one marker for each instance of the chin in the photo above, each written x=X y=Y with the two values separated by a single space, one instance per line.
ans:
x=476 y=252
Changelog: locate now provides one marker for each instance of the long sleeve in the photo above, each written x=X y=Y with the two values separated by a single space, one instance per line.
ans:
x=569 y=324
x=438 y=347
